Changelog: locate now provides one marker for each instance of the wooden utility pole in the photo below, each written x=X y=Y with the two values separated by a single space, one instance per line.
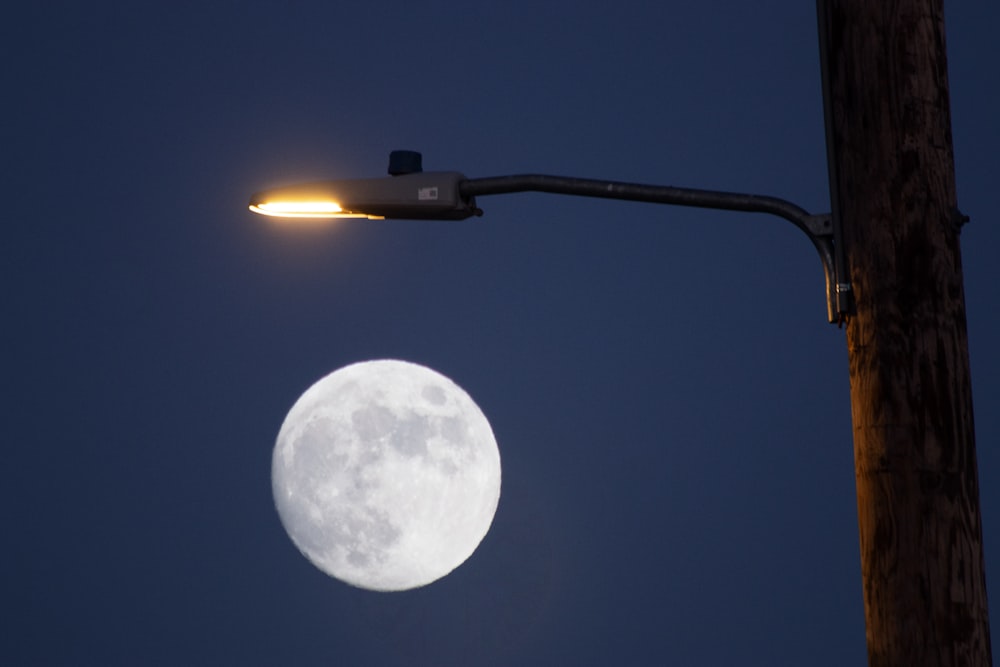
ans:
x=893 y=188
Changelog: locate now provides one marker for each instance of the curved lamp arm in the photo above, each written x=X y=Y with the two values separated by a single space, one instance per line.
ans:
x=819 y=228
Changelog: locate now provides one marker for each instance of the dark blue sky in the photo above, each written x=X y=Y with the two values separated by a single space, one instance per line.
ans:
x=670 y=403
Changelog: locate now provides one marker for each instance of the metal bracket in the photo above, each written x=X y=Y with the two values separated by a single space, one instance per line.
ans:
x=819 y=225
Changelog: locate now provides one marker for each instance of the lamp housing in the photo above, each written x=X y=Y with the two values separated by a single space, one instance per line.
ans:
x=413 y=196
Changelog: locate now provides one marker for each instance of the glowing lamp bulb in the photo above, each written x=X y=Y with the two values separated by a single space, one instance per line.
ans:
x=300 y=209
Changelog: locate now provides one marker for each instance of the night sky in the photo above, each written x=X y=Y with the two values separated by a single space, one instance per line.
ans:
x=670 y=403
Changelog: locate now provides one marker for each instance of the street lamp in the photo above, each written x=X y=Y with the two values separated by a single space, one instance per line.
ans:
x=893 y=197
x=412 y=194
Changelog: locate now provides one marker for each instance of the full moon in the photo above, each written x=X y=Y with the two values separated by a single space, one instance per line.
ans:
x=386 y=475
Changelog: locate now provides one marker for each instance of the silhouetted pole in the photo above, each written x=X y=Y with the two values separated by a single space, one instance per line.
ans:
x=893 y=187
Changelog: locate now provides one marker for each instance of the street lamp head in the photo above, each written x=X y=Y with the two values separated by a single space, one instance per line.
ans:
x=414 y=196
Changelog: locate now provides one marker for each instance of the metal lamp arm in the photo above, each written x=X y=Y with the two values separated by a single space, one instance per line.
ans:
x=819 y=228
